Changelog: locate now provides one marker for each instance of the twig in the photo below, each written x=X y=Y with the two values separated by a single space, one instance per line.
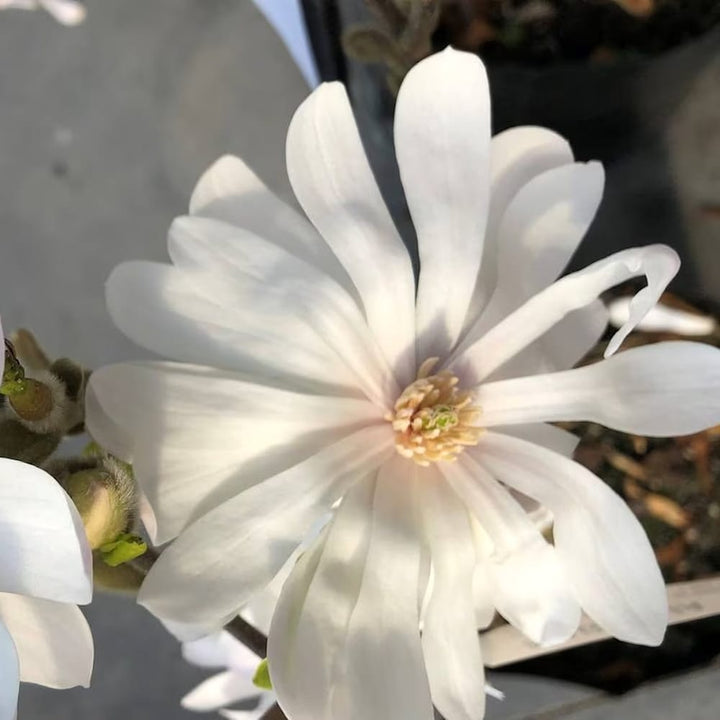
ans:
x=248 y=635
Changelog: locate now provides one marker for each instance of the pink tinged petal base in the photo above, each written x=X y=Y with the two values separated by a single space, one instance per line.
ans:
x=529 y=587
x=53 y=641
x=531 y=320
x=333 y=182
x=442 y=141
x=9 y=675
x=235 y=550
x=600 y=543
x=450 y=642
x=44 y=549
x=662 y=390
x=360 y=623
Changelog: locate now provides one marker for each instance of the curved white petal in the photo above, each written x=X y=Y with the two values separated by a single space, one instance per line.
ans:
x=200 y=436
x=105 y=431
x=529 y=588
x=233 y=551
x=601 y=544
x=450 y=642
x=272 y=283
x=516 y=156
x=53 y=641
x=315 y=607
x=333 y=182
x=230 y=191
x=658 y=263
x=561 y=347
x=9 y=675
x=209 y=651
x=543 y=226
x=442 y=139
x=211 y=320
x=663 y=390
x=44 y=549
x=220 y=690
x=351 y=605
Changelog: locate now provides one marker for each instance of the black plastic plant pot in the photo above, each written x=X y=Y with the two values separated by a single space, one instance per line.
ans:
x=617 y=113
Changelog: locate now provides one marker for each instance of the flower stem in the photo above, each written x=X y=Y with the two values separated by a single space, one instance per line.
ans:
x=248 y=635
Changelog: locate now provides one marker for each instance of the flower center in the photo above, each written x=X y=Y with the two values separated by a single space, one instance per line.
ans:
x=434 y=420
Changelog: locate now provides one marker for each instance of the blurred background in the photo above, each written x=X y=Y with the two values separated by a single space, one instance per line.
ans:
x=105 y=127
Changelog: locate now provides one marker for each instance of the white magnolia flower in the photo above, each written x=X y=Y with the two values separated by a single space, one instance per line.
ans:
x=233 y=685
x=67 y=12
x=45 y=568
x=317 y=370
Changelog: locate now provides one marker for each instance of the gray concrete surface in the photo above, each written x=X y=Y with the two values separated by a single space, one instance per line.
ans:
x=103 y=130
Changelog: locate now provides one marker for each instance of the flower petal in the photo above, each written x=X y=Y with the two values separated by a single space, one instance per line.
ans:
x=549 y=436
x=333 y=182
x=233 y=551
x=442 y=138
x=220 y=690
x=601 y=544
x=543 y=226
x=267 y=700
x=44 y=548
x=664 y=319
x=451 y=646
x=209 y=651
x=315 y=607
x=230 y=191
x=516 y=156
x=53 y=641
x=163 y=309
x=529 y=587
x=354 y=610
x=200 y=436
x=272 y=283
x=662 y=390
x=658 y=263
x=9 y=675
x=562 y=346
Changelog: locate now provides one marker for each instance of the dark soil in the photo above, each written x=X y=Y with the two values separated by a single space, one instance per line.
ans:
x=544 y=31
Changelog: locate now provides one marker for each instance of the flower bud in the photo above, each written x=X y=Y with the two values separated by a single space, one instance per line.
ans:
x=47 y=397
x=103 y=491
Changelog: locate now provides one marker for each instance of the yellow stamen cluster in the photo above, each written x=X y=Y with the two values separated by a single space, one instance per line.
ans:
x=432 y=419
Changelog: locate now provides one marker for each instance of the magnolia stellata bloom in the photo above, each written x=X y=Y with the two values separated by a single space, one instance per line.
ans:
x=67 y=12
x=45 y=568
x=314 y=369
